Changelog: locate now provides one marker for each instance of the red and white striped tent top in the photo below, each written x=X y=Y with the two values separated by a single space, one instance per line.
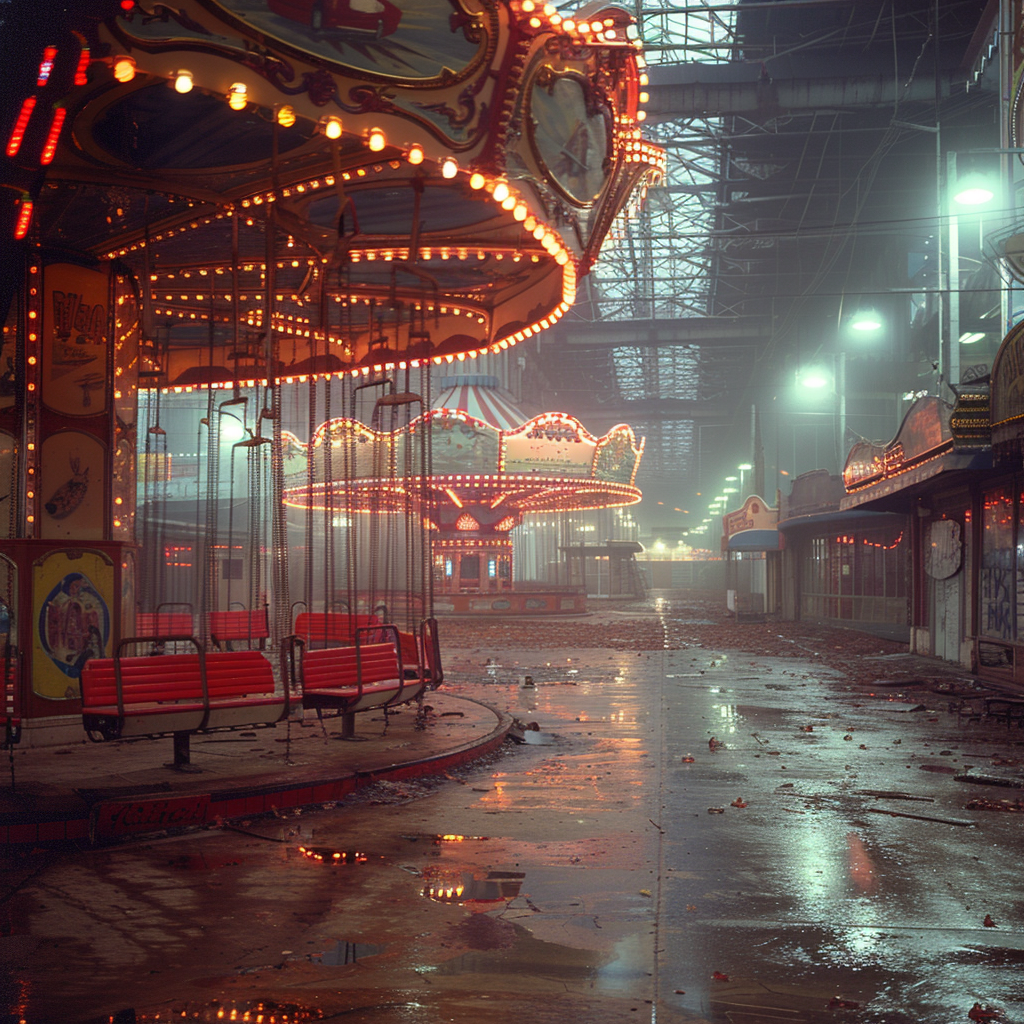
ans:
x=478 y=396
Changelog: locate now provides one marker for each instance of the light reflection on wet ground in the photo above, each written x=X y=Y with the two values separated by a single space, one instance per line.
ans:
x=600 y=878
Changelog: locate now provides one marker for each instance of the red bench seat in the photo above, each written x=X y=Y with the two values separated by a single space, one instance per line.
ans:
x=327 y=628
x=179 y=694
x=240 y=625
x=421 y=656
x=367 y=674
x=159 y=624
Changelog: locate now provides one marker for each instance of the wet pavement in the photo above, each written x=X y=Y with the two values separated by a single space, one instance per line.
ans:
x=688 y=834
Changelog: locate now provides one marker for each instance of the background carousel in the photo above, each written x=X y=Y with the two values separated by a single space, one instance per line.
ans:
x=489 y=467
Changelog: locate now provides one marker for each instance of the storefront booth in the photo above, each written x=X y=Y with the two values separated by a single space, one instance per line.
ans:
x=844 y=568
x=751 y=545
x=996 y=641
x=931 y=474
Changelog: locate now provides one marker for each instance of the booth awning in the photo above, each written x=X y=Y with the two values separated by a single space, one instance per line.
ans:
x=755 y=540
x=897 y=491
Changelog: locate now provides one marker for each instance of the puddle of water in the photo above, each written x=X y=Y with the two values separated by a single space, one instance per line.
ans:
x=503 y=947
x=437 y=839
x=216 y=1011
x=447 y=885
x=345 y=953
x=333 y=858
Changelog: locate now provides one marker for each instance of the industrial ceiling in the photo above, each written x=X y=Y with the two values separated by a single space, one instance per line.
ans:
x=807 y=142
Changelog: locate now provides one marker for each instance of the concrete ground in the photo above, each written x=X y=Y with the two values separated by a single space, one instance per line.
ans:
x=709 y=822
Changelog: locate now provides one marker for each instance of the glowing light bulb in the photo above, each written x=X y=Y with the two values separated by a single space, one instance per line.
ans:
x=238 y=96
x=332 y=127
x=286 y=116
x=124 y=69
x=500 y=192
x=477 y=180
x=377 y=140
x=449 y=167
x=183 y=82
x=415 y=154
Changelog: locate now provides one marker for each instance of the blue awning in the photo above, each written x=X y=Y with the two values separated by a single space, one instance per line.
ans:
x=755 y=540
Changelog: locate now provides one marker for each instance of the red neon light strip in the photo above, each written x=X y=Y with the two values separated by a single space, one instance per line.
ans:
x=83 y=63
x=46 y=66
x=56 y=124
x=18 y=132
x=24 y=219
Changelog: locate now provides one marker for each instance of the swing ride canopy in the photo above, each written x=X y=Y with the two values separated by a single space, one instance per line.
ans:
x=303 y=188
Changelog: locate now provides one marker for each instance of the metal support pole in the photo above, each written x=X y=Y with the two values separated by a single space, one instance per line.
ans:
x=953 y=273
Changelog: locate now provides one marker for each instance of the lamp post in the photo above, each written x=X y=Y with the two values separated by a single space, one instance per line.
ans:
x=818 y=380
x=972 y=190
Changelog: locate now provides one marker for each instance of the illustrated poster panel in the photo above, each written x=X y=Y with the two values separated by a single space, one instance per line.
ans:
x=550 y=453
x=571 y=135
x=411 y=39
x=460 y=447
x=74 y=340
x=72 y=487
x=615 y=458
x=71 y=604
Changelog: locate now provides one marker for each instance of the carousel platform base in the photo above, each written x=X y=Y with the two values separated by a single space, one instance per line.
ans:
x=511 y=602
x=88 y=793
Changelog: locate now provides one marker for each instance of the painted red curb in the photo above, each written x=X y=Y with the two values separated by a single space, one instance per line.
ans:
x=111 y=820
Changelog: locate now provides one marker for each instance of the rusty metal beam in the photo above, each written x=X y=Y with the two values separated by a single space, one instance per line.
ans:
x=771 y=97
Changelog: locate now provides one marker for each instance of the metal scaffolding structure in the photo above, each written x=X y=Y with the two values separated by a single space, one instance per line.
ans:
x=800 y=140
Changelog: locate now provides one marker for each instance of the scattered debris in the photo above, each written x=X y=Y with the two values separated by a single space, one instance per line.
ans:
x=981 y=804
x=892 y=794
x=716 y=810
x=836 y=1003
x=719 y=976
x=988 y=922
x=645 y=892
x=922 y=817
x=688 y=759
x=738 y=802
x=714 y=744
x=529 y=732
x=990 y=780
x=982 y=1011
